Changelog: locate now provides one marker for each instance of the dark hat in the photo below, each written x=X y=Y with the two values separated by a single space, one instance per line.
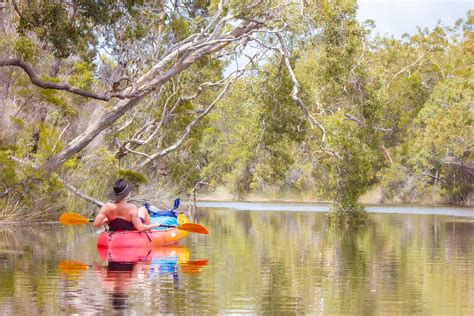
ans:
x=120 y=190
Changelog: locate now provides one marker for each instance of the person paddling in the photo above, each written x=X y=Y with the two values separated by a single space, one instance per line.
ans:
x=121 y=215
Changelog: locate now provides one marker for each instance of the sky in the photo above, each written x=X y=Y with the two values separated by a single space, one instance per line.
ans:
x=403 y=16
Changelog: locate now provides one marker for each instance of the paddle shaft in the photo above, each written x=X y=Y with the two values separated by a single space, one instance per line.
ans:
x=166 y=226
x=169 y=226
x=76 y=219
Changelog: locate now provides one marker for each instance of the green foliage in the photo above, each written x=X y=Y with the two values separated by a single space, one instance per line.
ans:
x=180 y=27
x=352 y=180
x=8 y=176
x=432 y=139
x=24 y=48
x=83 y=75
x=391 y=113
x=52 y=22
x=132 y=176
x=441 y=148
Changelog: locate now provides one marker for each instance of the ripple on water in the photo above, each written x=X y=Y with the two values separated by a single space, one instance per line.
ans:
x=256 y=263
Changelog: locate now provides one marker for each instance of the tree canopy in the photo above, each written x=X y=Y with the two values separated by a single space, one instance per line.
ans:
x=255 y=97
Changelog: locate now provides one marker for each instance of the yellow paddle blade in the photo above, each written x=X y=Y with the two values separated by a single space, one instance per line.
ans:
x=72 y=268
x=194 y=266
x=71 y=265
x=193 y=228
x=72 y=219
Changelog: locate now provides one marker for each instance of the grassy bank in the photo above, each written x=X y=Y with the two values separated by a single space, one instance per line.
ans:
x=372 y=197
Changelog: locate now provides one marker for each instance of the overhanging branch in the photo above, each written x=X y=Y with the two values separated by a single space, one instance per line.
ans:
x=188 y=128
x=36 y=80
x=83 y=195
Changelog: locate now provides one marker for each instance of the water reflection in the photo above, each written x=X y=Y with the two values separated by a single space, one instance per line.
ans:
x=259 y=263
x=124 y=270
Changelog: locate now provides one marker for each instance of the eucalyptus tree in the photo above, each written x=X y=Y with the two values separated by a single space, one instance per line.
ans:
x=317 y=112
x=141 y=74
x=430 y=102
x=132 y=78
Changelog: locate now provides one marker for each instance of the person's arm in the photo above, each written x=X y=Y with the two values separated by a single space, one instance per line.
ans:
x=101 y=218
x=143 y=213
x=139 y=225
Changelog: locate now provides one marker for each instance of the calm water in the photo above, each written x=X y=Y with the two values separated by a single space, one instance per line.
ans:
x=252 y=262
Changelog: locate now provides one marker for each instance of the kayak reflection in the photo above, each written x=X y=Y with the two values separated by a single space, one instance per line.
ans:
x=127 y=267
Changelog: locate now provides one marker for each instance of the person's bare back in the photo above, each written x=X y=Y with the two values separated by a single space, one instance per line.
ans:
x=121 y=210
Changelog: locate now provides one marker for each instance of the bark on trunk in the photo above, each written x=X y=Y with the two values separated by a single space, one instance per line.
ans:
x=144 y=87
x=81 y=141
x=5 y=74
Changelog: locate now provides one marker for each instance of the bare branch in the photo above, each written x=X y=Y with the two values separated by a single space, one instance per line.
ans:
x=59 y=137
x=405 y=69
x=312 y=121
x=361 y=123
x=131 y=144
x=386 y=153
x=36 y=80
x=149 y=82
x=426 y=174
x=213 y=19
x=132 y=118
x=188 y=128
x=359 y=61
x=83 y=195
x=354 y=119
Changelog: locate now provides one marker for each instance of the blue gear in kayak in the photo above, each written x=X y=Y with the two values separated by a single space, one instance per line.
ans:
x=163 y=217
x=154 y=211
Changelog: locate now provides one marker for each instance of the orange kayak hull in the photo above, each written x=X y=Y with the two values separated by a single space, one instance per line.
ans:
x=142 y=254
x=132 y=239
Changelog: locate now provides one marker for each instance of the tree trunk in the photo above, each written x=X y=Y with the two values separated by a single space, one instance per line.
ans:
x=145 y=85
x=5 y=73
x=81 y=141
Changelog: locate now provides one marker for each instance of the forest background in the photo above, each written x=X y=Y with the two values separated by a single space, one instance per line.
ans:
x=235 y=99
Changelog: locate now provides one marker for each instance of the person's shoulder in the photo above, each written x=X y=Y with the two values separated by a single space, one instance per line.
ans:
x=108 y=206
x=133 y=210
x=132 y=207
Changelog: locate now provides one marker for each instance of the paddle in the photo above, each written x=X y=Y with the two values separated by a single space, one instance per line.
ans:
x=77 y=219
x=176 y=204
x=74 y=268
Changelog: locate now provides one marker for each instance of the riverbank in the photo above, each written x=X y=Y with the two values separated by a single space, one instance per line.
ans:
x=324 y=208
x=371 y=198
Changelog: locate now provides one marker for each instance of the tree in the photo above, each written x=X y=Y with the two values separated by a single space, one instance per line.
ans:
x=144 y=58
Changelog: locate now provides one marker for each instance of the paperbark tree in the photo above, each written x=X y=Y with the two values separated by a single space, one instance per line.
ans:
x=147 y=58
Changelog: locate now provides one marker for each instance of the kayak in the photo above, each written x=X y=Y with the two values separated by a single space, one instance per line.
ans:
x=178 y=253
x=153 y=238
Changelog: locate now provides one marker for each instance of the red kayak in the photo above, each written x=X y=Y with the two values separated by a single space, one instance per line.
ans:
x=129 y=239
x=142 y=254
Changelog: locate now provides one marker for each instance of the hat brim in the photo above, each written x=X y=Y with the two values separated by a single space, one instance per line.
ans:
x=118 y=197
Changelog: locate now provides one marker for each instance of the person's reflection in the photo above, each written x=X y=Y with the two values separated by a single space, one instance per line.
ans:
x=126 y=266
x=116 y=278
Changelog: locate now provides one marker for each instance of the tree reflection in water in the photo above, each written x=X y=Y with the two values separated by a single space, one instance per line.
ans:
x=260 y=263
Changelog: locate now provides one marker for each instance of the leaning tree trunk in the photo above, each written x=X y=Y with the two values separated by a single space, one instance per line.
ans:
x=5 y=74
x=151 y=81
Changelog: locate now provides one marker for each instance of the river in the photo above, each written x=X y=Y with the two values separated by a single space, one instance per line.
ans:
x=259 y=258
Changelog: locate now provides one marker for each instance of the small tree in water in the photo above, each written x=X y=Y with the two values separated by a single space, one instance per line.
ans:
x=351 y=182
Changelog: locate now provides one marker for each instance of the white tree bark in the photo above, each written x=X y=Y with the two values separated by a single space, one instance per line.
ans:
x=150 y=81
